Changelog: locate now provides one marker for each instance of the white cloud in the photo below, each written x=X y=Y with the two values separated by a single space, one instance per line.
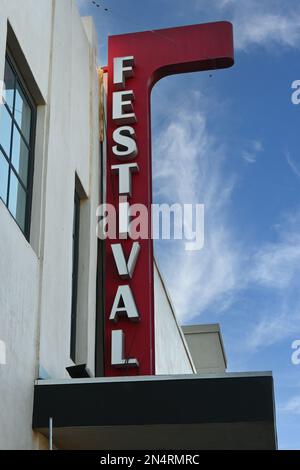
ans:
x=260 y=22
x=276 y=326
x=250 y=154
x=188 y=169
x=292 y=406
x=277 y=264
x=266 y=29
x=249 y=157
x=295 y=167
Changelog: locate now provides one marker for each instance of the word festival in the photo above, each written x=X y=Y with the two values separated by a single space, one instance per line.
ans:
x=125 y=149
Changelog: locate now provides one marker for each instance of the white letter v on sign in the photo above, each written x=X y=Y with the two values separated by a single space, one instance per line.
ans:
x=125 y=269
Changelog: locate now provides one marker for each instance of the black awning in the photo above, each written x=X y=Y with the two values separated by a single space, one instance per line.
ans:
x=229 y=411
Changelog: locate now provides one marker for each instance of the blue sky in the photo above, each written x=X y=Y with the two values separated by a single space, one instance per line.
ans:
x=229 y=139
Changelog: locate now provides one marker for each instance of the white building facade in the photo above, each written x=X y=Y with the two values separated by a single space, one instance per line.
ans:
x=56 y=66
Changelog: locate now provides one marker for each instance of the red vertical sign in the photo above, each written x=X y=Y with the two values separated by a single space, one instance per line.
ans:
x=136 y=62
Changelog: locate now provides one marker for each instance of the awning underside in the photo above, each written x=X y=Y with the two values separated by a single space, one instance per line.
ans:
x=231 y=411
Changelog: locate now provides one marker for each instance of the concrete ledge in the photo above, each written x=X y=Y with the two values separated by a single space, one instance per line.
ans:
x=206 y=347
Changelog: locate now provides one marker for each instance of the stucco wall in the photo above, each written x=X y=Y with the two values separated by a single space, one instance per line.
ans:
x=35 y=287
x=19 y=272
x=72 y=147
x=171 y=352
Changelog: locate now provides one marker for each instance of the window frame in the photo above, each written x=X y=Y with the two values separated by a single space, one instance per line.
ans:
x=30 y=146
x=75 y=274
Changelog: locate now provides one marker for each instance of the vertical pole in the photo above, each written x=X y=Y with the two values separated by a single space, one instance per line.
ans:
x=50 y=433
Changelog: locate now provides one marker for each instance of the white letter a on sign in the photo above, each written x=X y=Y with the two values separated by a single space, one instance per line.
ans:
x=124 y=304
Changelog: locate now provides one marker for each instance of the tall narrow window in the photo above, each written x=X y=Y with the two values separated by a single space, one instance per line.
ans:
x=17 y=121
x=76 y=224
